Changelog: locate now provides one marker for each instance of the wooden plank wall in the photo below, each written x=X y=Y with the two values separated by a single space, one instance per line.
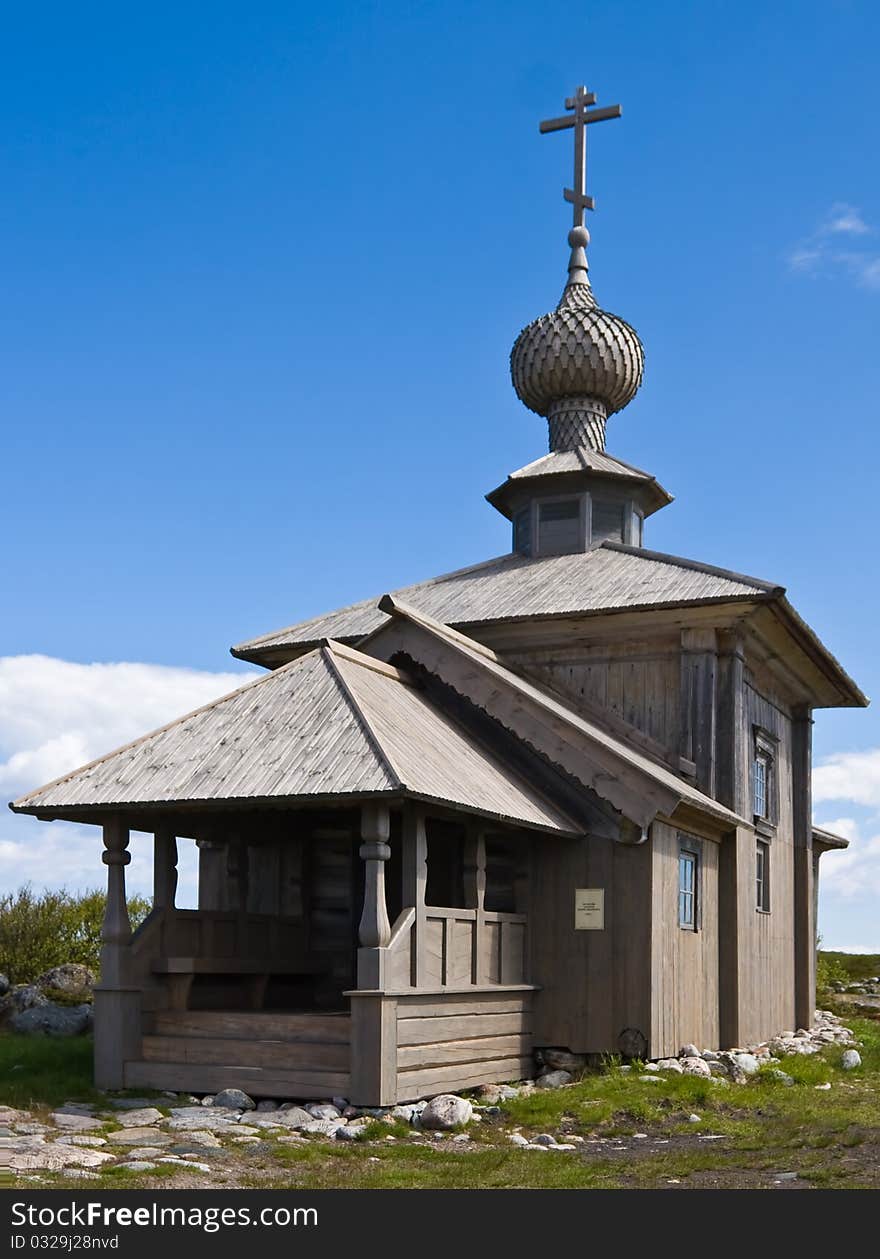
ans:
x=766 y=974
x=684 y=964
x=592 y=984
x=636 y=682
x=457 y=1041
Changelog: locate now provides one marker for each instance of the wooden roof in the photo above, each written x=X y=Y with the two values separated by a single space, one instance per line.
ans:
x=564 y=465
x=609 y=577
x=331 y=724
x=632 y=782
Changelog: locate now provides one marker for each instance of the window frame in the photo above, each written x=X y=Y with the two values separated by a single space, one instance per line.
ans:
x=763 y=886
x=765 y=748
x=583 y=522
x=690 y=850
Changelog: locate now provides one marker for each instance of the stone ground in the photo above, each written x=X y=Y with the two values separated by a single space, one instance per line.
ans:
x=797 y=1119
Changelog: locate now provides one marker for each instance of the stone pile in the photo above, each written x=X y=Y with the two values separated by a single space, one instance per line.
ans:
x=58 y=1003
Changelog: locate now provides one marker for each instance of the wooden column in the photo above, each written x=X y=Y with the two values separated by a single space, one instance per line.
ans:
x=117 y=1003
x=698 y=708
x=475 y=895
x=374 y=931
x=415 y=880
x=804 y=918
x=164 y=868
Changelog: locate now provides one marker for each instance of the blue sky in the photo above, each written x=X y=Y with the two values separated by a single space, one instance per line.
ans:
x=261 y=270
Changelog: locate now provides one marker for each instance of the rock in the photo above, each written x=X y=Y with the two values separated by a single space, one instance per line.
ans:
x=349 y=1132
x=4 y=985
x=74 y=1122
x=207 y=1100
x=174 y=1161
x=544 y=1138
x=460 y=1138
x=322 y=1110
x=266 y=1105
x=781 y=1077
x=447 y=1111
x=670 y=1064
x=245 y=1130
x=145 y=1151
x=695 y=1066
x=563 y=1060
x=323 y=1127
x=143 y=1118
x=52 y=1020
x=341 y=1103
x=409 y=1111
x=731 y=1068
x=130 y=1103
x=647 y=1078
x=689 y=1051
x=747 y=1063
x=710 y=1055
x=850 y=1059
x=209 y=1123
x=24 y=997
x=137 y=1165
x=70 y=978
x=694 y=1119
x=234 y=1099
x=822 y=1087
x=517 y=1138
x=81 y=1140
x=139 y=1136
x=202 y=1137
x=554 y=1079
x=292 y=1117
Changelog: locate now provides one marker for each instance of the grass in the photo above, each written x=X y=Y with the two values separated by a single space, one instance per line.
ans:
x=830 y=1138
x=857 y=966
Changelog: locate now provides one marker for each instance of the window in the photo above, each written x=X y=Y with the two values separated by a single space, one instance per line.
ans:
x=764 y=778
x=522 y=531
x=762 y=876
x=635 y=528
x=688 y=863
x=559 y=526
x=607 y=521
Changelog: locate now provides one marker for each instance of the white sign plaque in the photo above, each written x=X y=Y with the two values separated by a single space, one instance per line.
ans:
x=589 y=909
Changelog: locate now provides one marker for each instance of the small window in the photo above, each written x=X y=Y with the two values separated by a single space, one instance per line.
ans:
x=762 y=782
x=559 y=526
x=522 y=531
x=687 y=889
x=635 y=529
x=607 y=521
x=762 y=876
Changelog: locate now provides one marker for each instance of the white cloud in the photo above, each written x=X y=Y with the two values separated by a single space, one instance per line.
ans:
x=820 y=253
x=55 y=716
x=849 y=776
x=844 y=219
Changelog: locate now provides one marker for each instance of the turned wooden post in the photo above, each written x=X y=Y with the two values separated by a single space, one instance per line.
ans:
x=116 y=929
x=164 y=868
x=375 y=929
x=117 y=1002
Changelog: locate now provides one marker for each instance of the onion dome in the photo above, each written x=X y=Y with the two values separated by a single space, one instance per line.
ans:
x=579 y=364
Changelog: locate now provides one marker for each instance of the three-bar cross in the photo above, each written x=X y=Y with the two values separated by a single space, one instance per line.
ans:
x=579 y=120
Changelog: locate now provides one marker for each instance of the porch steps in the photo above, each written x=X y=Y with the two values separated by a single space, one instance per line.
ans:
x=266 y=1053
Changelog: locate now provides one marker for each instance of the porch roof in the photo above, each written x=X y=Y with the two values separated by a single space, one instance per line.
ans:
x=332 y=725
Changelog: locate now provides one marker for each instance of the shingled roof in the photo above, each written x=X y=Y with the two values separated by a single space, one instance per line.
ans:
x=331 y=724
x=608 y=577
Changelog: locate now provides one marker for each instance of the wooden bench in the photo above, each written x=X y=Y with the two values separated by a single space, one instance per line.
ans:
x=181 y=971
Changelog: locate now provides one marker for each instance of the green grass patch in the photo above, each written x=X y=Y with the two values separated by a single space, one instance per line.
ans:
x=40 y=1071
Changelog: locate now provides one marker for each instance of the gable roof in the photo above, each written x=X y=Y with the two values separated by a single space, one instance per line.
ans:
x=333 y=723
x=618 y=773
x=609 y=577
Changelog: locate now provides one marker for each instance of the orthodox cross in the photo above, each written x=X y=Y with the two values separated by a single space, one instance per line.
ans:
x=579 y=120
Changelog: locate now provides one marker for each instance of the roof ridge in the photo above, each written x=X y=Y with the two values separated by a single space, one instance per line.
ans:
x=261 y=680
x=680 y=561
x=250 y=644
x=360 y=716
